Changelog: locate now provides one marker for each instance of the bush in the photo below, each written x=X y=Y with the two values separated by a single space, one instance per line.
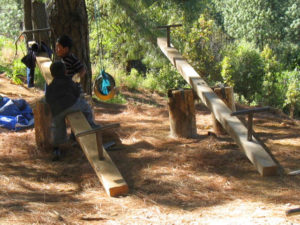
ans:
x=292 y=79
x=270 y=94
x=243 y=69
x=18 y=70
x=288 y=54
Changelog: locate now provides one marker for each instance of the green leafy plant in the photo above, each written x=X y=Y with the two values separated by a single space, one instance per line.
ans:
x=243 y=69
x=270 y=95
x=293 y=91
x=18 y=71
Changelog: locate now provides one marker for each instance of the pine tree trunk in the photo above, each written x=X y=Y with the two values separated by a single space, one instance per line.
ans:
x=40 y=21
x=70 y=17
x=27 y=18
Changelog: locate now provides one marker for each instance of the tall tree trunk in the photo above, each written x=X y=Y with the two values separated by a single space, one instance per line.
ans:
x=70 y=17
x=40 y=21
x=27 y=18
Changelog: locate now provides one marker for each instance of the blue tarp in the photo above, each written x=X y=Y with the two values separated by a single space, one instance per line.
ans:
x=15 y=114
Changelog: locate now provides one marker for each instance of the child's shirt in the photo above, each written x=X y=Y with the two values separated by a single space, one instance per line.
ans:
x=61 y=94
x=73 y=65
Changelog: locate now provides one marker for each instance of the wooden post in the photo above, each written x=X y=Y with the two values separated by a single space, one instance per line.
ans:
x=226 y=94
x=182 y=113
x=42 y=123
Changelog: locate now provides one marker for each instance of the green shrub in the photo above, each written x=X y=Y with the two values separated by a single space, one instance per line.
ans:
x=18 y=70
x=292 y=94
x=288 y=54
x=243 y=69
x=270 y=94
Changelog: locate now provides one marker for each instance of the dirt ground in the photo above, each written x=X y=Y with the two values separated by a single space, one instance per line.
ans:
x=206 y=180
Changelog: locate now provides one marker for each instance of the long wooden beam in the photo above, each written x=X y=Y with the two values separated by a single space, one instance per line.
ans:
x=252 y=149
x=106 y=170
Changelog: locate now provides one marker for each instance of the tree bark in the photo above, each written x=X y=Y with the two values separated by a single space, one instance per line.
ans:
x=27 y=19
x=182 y=113
x=40 y=21
x=227 y=97
x=70 y=17
x=42 y=123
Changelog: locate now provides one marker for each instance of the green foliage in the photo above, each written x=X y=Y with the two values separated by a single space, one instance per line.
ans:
x=201 y=46
x=257 y=21
x=292 y=17
x=11 y=16
x=18 y=70
x=243 y=69
x=288 y=54
x=293 y=90
x=117 y=99
x=272 y=69
x=210 y=39
x=133 y=80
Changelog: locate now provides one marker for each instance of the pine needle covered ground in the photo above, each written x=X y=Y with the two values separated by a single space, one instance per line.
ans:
x=206 y=180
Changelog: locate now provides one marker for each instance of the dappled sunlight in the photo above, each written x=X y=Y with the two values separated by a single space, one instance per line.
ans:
x=169 y=179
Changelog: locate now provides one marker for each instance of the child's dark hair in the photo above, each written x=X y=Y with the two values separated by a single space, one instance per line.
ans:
x=65 y=41
x=57 y=69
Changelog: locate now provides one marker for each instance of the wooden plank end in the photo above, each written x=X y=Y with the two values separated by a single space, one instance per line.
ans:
x=118 y=191
x=269 y=171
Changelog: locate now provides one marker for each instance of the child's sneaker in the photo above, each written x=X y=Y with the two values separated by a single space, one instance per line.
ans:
x=56 y=154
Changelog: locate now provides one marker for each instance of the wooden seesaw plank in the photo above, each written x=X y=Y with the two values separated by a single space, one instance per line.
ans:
x=252 y=149
x=43 y=62
x=106 y=170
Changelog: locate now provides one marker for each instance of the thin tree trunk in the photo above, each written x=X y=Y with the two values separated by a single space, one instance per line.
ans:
x=40 y=21
x=70 y=17
x=27 y=18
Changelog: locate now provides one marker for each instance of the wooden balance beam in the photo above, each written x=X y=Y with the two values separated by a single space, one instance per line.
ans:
x=91 y=142
x=234 y=127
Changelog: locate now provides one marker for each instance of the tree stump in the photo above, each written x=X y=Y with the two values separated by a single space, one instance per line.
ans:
x=182 y=113
x=226 y=94
x=42 y=123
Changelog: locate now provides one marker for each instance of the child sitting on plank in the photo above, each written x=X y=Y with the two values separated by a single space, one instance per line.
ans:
x=63 y=97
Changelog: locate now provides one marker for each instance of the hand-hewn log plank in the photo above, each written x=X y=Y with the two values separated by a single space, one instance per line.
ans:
x=252 y=149
x=43 y=62
x=107 y=172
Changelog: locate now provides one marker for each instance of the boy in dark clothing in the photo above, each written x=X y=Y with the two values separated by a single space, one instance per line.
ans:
x=63 y=97
x=29 y=60
x=72 y=63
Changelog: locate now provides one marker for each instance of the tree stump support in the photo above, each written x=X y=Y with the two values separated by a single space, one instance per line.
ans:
x=42 y=124
x=226 y=95
x=182 y=113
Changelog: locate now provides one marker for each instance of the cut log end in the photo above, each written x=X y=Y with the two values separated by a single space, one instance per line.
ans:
x=118 y=191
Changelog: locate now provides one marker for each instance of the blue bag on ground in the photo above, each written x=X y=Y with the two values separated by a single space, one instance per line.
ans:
x=15 y=114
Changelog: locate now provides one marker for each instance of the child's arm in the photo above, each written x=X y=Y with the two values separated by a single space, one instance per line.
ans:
x=79 y=76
